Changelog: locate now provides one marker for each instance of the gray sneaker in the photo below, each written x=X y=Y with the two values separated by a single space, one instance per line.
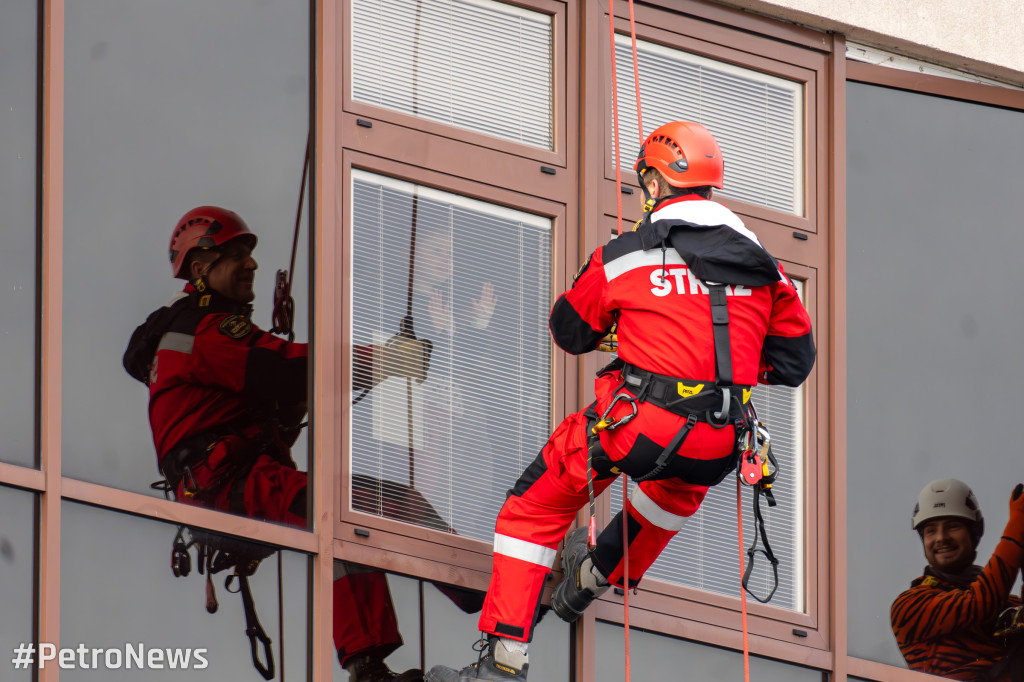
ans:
x=486 y=668
x=570 y=599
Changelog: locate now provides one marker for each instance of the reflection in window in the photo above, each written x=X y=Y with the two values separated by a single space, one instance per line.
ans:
x=652 y=655
x=421 y=623
x=168 y=106
x=704 y=554
x=957 y=345
x=441 y=448
x=118 y=589
x=413 y=57
x=756 y=118
x=17 y=582
x=18 y=173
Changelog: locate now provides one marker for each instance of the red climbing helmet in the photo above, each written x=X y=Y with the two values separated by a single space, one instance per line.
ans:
x=685 y=153
x=205 y=227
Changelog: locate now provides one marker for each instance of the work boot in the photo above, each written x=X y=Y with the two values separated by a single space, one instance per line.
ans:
x=496 y=662
x=581 y=582
x=372 y=669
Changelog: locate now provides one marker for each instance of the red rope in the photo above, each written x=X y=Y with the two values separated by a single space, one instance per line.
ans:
x=636 y=74
x=743 y=592
x=615 y=121
x=618 y=202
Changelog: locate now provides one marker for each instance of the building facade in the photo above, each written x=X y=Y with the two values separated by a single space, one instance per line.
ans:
x=462 y=163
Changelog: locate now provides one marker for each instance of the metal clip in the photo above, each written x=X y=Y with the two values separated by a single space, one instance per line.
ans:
x=610 y=424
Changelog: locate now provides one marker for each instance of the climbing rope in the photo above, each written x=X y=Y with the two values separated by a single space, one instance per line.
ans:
x=743 y=592
x=618 y=200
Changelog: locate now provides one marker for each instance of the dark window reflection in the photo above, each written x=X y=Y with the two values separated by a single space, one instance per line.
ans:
x=933 y=330
x=168 y=106
x=18 y=172
x=651 y=655
x=17 y=553
x=414 y=622
x=118 y=589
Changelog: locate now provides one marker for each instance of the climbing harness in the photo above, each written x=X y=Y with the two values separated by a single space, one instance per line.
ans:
x=216 y=553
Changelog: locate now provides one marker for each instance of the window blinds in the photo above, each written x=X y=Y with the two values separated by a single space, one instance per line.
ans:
x=442 y=453
x=756 y=118
x=477 y=64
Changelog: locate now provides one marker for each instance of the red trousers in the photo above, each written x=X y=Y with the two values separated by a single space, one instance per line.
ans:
x=364 y=614
x=543 y=505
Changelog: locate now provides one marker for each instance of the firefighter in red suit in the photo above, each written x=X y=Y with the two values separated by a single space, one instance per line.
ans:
x=225 y=401
x=671 y=399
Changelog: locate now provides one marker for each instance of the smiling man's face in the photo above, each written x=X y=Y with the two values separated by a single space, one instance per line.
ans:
x=947 y=544
x=232 y=273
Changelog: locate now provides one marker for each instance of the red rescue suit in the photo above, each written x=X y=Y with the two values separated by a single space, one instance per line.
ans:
x=215 y=377
x=649 y=282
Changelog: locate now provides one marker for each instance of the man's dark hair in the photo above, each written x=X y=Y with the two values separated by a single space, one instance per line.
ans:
x=197 y=254
x=652 y=174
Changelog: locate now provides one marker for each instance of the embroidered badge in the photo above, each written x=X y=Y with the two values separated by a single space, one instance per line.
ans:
x=235 y=326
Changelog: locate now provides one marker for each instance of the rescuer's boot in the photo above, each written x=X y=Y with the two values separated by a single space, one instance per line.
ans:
x=500 y=659
x=581 y=582
x=372 y=669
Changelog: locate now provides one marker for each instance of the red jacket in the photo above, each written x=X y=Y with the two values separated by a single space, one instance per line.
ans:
x=208 y=366
x=649 y=282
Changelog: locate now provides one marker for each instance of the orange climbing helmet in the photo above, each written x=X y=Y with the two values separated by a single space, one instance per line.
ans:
x=685 y=153
x=205 y=227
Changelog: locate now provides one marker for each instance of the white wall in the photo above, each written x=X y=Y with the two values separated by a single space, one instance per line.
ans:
x=981 y=36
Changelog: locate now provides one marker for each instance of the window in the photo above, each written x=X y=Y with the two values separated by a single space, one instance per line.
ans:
x=757 y=118
x=651 y=654
x=440 y=448
x=167 y=107
x=118 y=590
x=17 y=582
x=18 y=172
x=932 y=358
x=426 y=58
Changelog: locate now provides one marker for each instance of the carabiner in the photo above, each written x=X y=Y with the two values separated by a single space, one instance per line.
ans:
x=611 y=424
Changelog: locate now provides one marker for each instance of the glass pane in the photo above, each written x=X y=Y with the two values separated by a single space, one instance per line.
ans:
x=933 y=186
x=18 y=174
x=418 y=623
x=168 y=106
x=422 y=450
x=17 y=582
x=121 y=601
x=429 y=45
x=756 y=118
x=651 y=656
x=704 y=554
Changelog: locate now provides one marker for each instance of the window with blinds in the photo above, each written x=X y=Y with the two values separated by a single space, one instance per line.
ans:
x=480 y=65
x=756 y=118
x=442 y=452
x=704 y=554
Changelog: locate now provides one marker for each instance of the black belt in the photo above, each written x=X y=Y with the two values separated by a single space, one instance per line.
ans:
x=685 y=397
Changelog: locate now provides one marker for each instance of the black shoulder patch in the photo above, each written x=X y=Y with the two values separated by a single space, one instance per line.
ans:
x=583 y=268
x=235 y=326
